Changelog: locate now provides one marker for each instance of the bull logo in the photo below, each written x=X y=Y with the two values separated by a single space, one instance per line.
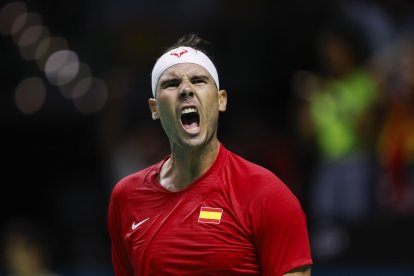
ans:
x=179 y=52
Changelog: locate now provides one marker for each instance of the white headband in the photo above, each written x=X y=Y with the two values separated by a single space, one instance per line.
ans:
x=181 y=55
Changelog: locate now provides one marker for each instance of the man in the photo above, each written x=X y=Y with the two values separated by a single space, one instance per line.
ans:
x=202 y=210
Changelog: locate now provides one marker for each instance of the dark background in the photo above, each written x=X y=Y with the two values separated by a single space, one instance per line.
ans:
x=59 y=165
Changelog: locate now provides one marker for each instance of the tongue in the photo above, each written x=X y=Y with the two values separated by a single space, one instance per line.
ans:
x=190 y=125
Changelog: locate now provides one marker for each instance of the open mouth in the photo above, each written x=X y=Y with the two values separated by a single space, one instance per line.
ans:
x=190 y=119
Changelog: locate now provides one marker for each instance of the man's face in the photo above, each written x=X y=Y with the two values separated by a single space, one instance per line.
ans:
x=188 y=104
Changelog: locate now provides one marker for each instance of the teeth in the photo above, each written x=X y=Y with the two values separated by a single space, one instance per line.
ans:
x=189 y=110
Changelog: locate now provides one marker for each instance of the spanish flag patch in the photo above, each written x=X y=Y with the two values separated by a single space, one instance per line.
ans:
x=210 y=215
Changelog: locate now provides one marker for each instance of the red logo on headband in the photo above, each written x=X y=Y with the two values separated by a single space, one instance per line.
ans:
x=179 y=52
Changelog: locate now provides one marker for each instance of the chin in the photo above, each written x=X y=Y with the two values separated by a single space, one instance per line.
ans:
x=196 y=141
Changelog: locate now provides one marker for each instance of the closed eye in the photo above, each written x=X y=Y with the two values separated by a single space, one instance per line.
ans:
x=199 y=80
x=172 y=83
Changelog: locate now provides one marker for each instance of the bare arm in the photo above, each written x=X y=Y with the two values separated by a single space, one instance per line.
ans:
x=300 y=271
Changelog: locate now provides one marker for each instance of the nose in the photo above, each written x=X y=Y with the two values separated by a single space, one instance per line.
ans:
x=185 y=93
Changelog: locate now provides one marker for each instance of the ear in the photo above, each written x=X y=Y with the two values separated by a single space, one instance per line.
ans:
x=152 y=103
x=222 y=98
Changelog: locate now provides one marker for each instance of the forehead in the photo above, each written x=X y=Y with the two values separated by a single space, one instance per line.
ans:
x=182 y=69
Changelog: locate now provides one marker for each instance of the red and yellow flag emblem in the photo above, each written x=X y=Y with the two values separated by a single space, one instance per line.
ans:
x=210 y=215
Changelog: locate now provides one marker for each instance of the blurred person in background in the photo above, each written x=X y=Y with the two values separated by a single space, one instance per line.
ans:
x=202 y=209
x=26 y=248
x=395 y=148
x=337 y=122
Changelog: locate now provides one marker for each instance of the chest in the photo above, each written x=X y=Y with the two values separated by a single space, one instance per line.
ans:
x=198 y=232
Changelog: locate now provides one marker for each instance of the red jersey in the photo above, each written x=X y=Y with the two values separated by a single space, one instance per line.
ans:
x=236 y=219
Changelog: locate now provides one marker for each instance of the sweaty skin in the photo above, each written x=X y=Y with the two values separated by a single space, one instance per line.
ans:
x=192 y=151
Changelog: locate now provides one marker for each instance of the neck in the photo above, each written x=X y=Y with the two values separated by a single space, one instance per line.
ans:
x=187 y=164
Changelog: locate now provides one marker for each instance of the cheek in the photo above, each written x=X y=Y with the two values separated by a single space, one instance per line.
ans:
x=165 y=108
x=210 y=99
x=212 y=110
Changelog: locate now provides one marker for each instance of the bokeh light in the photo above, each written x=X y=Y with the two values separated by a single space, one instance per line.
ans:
x=62 y=67
x=24 y=21
x=68 y=90
x=30 y=95
x=8 y=15
x=93 y=94
x=47 y=46
x=29 y=40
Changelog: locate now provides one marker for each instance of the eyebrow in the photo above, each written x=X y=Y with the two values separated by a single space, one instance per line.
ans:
x=168 y=81
x=173 y=79
x=201 y=76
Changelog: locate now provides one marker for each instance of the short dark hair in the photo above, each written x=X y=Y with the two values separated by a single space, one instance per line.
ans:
x=192 y=40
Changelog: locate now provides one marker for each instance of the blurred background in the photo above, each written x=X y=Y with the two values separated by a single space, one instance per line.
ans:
x=320 y=92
